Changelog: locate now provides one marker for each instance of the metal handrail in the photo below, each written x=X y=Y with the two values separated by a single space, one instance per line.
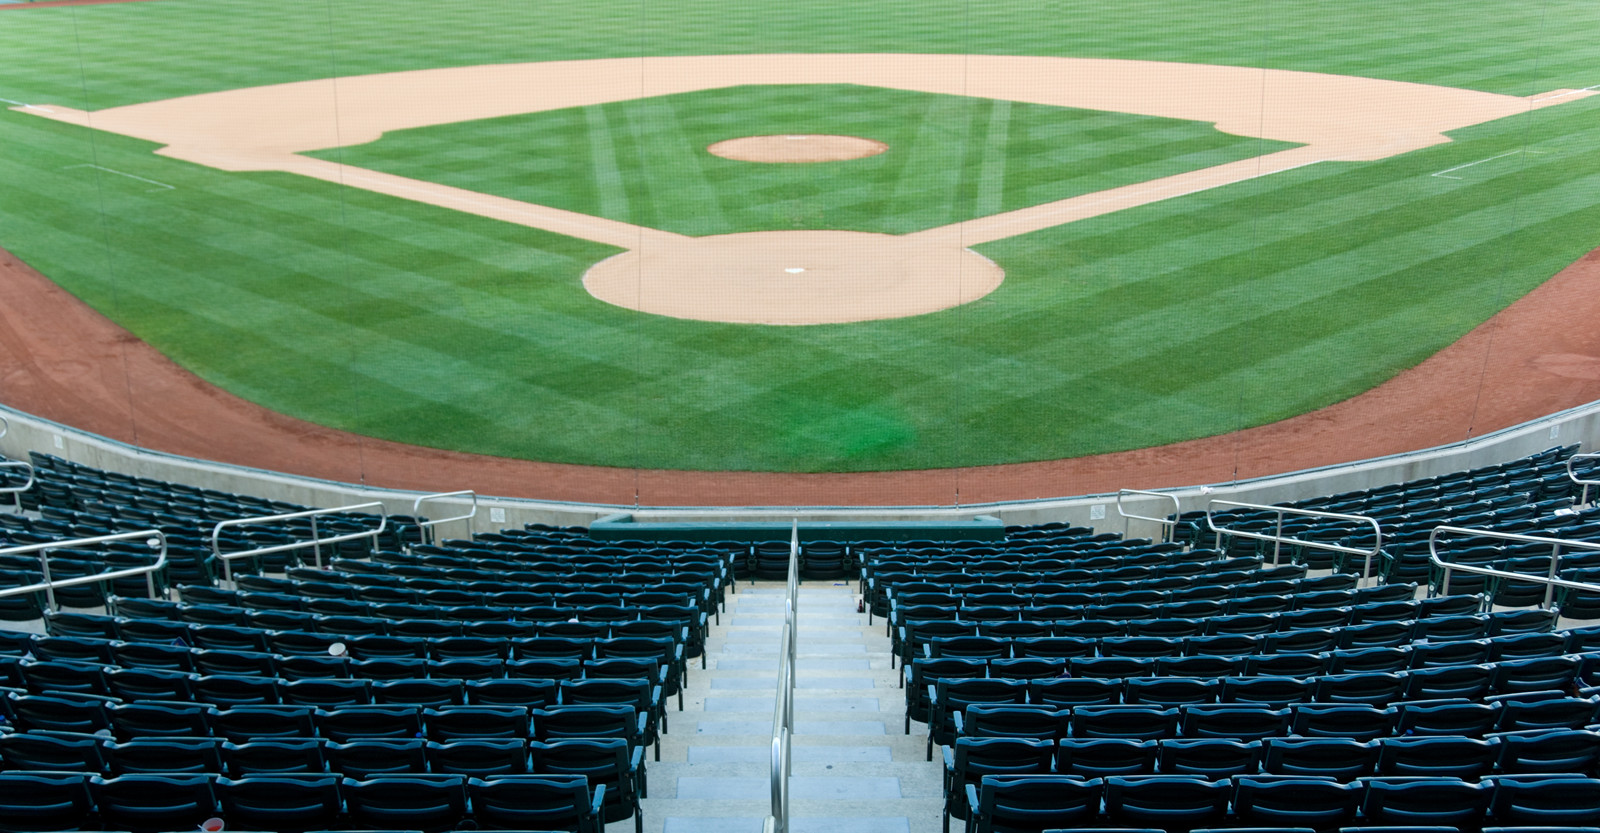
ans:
x=1167 y=524
x=1571 y=475
x=783 y=709
x=154 y=538
x=1278 y=540
x=1550 y=581
x=425 y=526
x=315 y=541
x=16 y=491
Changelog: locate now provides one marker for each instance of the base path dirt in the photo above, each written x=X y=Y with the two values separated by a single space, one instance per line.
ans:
x=63 y=361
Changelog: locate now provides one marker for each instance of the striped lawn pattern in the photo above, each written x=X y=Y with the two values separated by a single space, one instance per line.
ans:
x=1219 y=310
x=938 y=163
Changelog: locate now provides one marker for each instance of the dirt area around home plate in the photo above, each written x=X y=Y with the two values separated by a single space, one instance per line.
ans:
x=61 y=360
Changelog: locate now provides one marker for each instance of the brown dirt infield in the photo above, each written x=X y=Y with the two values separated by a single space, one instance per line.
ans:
x=63 y=361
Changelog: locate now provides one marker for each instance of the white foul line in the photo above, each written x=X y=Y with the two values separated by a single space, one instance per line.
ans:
x=1543 y=99
x=128 y=175
x=1442 y=174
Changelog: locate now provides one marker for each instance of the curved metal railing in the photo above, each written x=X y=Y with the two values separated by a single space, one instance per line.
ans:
x=783 y=709
x=1168 y=524
x=16 y=491
x=425 y=526
x=1572 y=475
x=315 y=542
x=1278 y=539
x=154 y=538
x=1549 y=581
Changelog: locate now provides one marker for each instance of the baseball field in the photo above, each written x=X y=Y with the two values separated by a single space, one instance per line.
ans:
x=949 y=234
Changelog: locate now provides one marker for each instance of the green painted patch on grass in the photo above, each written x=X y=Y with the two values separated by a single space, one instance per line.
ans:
x=950 y=158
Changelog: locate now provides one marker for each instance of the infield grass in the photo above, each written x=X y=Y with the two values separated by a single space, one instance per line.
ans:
x=1192 y=316
x=950 y=158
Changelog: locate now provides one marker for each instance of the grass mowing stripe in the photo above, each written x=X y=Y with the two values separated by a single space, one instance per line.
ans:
x=613 y=198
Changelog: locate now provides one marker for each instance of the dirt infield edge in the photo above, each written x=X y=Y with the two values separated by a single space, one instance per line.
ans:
x=62 y=360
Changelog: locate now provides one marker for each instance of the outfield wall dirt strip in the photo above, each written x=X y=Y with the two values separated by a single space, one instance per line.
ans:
x=824 y=277
x=61 y=360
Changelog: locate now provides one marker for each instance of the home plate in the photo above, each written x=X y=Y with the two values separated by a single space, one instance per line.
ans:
x=795 y=270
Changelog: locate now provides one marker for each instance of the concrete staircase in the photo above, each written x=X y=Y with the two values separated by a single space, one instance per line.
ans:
x=854 y=769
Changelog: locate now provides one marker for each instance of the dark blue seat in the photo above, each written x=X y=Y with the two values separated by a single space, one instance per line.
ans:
x=419 y=692
x=1371 y=688
x=407 y=802
x=200 y=755
x=1171 y=802
x=1170 y=691
x=83 y=715
x=166 y=657
x=274 y=755
x=151 y=802
x=589 y=721
x=1422 y=801
x=351 y=722
x=1285 y=802
x=1242 y=721
x=534 y=802
x=611 y=762
x=1540 y=674
x=1357 y=721
x=1031 y=802
x=1471 y=682
x=1343 y=759
x=297 y=801
x=1436 y=757
x=512 y=692
x=1518 y=714
x=143 y=720
x=1450 y=717
x=972 y=758
x=1009 y=721
x=44 y=800
x=456 y=722
x=325 y=693
x=49 y=751
x=1556 y=801
x=478 y=757
x=953 y=696
x=1071 y=693
x=1278 y=692
x=1552 y=751
x=150 y=684
x=243 y=723
x=1211 y=758
x=56 y=677
x=1132 y=722
x=371 y=758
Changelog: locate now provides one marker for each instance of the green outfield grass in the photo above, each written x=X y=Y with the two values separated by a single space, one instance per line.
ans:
x=950 y=158
x=1184 y=318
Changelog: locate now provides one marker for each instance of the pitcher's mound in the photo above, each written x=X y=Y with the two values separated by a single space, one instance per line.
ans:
x=793 y=277
x=806 y=147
